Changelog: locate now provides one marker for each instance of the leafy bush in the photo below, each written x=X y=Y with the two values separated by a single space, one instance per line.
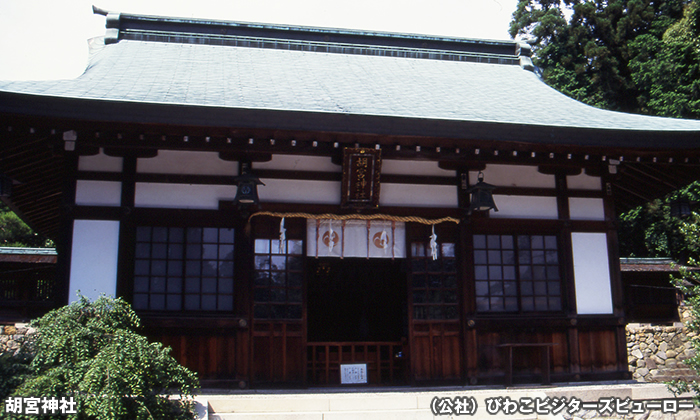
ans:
x=91 y=352
x=689 y=284
x=13 y=371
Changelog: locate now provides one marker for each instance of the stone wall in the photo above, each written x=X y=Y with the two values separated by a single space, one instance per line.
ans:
x=12 y=337
x=656 y=353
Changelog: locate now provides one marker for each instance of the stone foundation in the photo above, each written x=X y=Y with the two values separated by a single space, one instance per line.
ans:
x=13 y=336
x=657 y=353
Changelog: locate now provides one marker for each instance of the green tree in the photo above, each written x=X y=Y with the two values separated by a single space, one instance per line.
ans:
x=666 y=70
x=584 y=48
x=90 y=351
x=15 y=233
x=651 y=231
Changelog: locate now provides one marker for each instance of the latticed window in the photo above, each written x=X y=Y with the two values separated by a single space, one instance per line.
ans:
x=517 y=273
x=188 y=269
x=434 y=281
x=278 y=279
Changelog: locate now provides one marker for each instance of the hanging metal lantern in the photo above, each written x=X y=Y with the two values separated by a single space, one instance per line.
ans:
x=482 y=196
x=247 y=191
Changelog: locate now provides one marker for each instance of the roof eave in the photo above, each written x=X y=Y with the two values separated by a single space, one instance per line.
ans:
x=95 y=110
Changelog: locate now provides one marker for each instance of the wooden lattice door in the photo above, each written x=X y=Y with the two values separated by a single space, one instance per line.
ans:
x=434 y=309
x=278 y=332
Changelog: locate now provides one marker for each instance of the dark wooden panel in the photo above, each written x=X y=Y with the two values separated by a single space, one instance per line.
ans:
x=598 y=349
x=526 y=361
x=212 y=356
x=278 y=352
x=594 y=351
x=488 y=356
x=436 y=351
x=560 y=352
x=421 y=358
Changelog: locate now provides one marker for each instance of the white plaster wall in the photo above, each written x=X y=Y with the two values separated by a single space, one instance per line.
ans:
x=583 y=182
x=586 y=208
x=182 y=196
x=186 y=162
x=94 y=258
x=591 y=273
x=98 y=193
x=514 y=176
x=299 y=163
x=299 y=191
x=418 y=195
x=414 y=167
x=100 y=163
x=524 y=207
x=157 y=195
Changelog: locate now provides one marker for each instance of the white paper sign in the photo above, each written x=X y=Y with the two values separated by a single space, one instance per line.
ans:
x=353 y=374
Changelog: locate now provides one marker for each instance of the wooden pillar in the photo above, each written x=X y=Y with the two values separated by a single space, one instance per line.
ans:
x=127 y=229
x=64 y=241
x=568 y=262
x=617 y=289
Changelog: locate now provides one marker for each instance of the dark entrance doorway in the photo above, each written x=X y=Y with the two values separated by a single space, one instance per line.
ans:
x=356 y=300
x=356 y=314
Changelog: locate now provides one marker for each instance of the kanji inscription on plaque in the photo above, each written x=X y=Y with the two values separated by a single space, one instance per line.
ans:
x=361 y=171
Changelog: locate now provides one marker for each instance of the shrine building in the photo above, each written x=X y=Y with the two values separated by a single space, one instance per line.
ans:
x=296 y=206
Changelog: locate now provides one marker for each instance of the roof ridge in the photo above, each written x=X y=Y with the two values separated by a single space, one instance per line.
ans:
x=325 y=47
x=123 y=26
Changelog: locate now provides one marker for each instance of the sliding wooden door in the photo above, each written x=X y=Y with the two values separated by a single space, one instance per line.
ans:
x=278 y=330
x=434 y=309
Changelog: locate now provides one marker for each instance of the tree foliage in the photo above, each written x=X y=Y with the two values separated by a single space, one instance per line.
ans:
x=15 y=233
x=689 y=283
x=91 y=352
x=14 y=369
x=667 y=70
x=627 y=55
x=651 y=231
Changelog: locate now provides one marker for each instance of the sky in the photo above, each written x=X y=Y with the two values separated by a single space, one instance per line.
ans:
x=47 y=39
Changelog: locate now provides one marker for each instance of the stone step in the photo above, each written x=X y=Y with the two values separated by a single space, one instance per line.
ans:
x=367 y=415
x=409 y=405
x=665 y=375
x=354 y=415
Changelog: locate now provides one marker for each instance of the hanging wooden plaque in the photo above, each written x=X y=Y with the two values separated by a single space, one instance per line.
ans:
x=361 y=170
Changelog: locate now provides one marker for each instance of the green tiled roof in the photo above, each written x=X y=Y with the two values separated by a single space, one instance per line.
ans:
x=161 y=70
